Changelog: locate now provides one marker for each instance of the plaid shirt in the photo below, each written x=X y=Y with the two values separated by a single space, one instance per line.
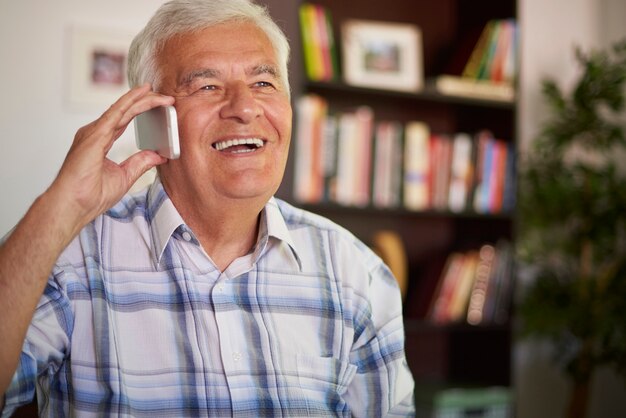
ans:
x=137 y=321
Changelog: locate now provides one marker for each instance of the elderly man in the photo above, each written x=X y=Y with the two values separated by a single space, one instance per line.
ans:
x=203 y=295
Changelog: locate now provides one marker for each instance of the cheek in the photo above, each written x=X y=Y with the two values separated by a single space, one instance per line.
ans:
x=192 y=121
x=280 y=116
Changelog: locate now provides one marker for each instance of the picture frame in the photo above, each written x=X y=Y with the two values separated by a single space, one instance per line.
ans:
x=97 y=62
x=382 y=55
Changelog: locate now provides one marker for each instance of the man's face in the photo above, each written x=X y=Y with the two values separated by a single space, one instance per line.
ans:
x=234 y=115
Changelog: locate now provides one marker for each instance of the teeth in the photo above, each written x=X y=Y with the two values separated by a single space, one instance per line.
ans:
x=220 y=146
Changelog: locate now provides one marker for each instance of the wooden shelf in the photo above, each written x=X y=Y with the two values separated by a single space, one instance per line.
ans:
x=428 y=94
x=333 y=208
x=454 y=353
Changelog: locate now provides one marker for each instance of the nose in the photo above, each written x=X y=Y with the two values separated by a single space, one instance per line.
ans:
x=240 y=103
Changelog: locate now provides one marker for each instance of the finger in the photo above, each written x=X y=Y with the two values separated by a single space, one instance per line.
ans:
x=115 y=112
x=145 y=103
x=110 y=126
x=110 y=118
x=137 y=164
x=118 y=117
x=134 y=102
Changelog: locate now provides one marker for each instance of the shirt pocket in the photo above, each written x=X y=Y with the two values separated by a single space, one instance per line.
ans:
x=323 y=381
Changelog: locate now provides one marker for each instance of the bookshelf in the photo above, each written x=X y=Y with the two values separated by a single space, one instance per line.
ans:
x=451 y=354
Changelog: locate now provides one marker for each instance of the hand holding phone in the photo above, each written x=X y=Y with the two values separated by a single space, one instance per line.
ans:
x=157 y=130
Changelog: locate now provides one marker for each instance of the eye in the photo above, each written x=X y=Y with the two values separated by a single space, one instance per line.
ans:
x=204 y=89
x=264 y=84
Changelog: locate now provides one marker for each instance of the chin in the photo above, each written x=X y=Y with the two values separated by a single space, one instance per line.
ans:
x=254 y=192
x=254 y=184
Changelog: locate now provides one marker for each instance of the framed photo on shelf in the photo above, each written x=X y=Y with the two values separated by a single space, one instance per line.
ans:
x=382 y=55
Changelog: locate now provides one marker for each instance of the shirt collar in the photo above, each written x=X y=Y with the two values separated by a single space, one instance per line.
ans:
x=165 y=220
x=277 y=228
x=163 y=217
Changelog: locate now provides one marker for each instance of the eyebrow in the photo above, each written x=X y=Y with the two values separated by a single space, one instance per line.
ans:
x=214 y=73
x=264 y=69
x=203 y=73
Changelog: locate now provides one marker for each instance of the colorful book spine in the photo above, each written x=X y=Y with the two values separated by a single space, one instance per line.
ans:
x=354 y=157
x=460 y=173
x=417 y=166
x=318 y=42
x=472 y=67
x=387 y=174
x=309 y=178
x=491 y=69
x=351 y=159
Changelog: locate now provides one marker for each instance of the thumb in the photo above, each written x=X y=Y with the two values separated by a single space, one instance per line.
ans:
x=137 y=164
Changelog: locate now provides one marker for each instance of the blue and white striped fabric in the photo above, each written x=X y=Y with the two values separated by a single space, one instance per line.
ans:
x=137 y=321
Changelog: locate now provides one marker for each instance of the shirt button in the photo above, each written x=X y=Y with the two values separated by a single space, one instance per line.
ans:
x=186 y=236
x=236 y=356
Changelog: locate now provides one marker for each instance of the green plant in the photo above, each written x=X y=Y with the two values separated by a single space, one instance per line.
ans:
x=572 y=207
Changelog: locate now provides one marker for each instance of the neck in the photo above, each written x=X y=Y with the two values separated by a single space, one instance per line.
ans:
x=226 y=228
x=225 y=237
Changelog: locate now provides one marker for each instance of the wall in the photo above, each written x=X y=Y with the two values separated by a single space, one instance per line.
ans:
x=36 y=123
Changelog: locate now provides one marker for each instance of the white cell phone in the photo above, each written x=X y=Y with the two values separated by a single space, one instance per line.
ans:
x=157 y=130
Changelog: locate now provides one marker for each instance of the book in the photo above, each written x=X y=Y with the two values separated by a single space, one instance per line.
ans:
x=416 y=166
x=351 y=159
x=490 y=71
x=310 y=41
x=499 y=292
x=490 y=52
x=330 y=131
x=387 y=170
x=440 y=307
x=472 y=67
x=475 y=286
x=478 y=294
x=505 y=49
x=460 y=172
x=331 y=47
x=460 y=296
x=480 y=193
x=363 y=155
x=308 y=177
x=462 y=51
x=441 y=157
x=475 y=88
x=354 y=143
x=346 y=170
x=318 y=42
x=497 y=176
x=323 y=44
x=510 y=64
x=493 y=189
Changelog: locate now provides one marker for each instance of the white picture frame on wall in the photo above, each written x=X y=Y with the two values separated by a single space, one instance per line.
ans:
x=382 y=55
x=97 y=66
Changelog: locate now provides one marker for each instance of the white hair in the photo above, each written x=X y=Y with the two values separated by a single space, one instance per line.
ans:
x=183 y=16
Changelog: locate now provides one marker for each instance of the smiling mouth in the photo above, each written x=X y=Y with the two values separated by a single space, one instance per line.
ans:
x=239 y=145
